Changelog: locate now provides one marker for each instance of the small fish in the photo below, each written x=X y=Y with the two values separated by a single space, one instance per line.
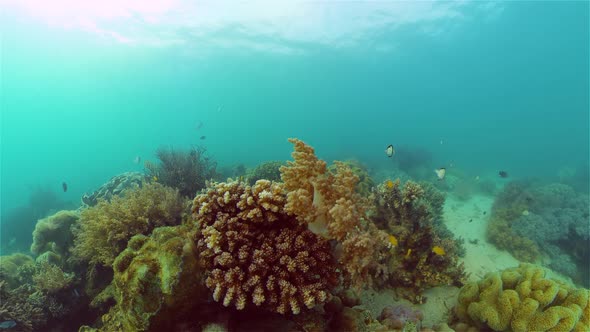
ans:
x=485 y=212
x=470 y=220
x=389 y=184
x=477 y=178
x=392 y=240
x=8 y=324
x=64 y=186
x=439 y=251
x=503 y=174
x=525 y=213
x=440 y=173
x=137 y=160
x=203 y=137
x=389 y=151
x=155 y=178
x=408 y=253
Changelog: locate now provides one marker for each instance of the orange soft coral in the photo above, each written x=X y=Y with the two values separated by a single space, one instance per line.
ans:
x=328 y=202
x=255 y=253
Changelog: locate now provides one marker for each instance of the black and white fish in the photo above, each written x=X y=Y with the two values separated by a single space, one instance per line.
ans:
x=389 y=151
x=440 y=173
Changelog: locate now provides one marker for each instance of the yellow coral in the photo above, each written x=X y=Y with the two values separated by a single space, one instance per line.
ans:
x=522 y=299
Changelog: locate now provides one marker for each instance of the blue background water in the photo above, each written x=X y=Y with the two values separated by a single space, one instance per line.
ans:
x=503 y=86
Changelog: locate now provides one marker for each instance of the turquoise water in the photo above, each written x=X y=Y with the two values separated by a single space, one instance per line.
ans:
x=480 y=86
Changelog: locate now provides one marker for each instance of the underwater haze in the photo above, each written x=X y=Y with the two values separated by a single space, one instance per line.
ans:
x=91 y=90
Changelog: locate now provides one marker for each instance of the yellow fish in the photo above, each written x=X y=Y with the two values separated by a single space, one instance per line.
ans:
x=389 y=184
x=393 y=240
x=440 y=251
x=408 y=253
x=155 y=178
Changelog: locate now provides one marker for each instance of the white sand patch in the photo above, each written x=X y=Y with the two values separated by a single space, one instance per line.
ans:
x=469 y=219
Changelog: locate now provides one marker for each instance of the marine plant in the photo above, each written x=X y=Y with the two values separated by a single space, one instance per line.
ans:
x=186 y=171
x=104 y=230
x=523 y=299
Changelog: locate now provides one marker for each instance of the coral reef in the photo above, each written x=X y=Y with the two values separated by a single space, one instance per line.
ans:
x=401 y=317
x=103 y=230
x=508 y=206
x=266 y=171
x=10 y=267
x=522 y=299
x=156 y=281
x=114 y=187
x=51 y=279
x=53 y=234
x=19 y=222
x=364 y=183
x=255 y=253
x=327 y=201
x=565 y=219
x=412 y=214
x=186 y=171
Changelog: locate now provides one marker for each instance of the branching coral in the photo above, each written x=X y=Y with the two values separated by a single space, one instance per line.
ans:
x=53 y=233
x=185 y=170
x=329 y=204
x=14 y=305
x=51 y=279
x=103 y=230
x=256 y=253
x=522 y=299
x=412 y=216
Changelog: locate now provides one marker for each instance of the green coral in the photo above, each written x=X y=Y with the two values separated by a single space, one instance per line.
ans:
x=53 y=233
x=103 y=230
x=522 y=299
x=11 y=266
x=266 y=171
x=155 y=278
x=51 y=279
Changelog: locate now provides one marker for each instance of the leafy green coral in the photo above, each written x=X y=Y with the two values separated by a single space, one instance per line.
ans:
x=53 y=233
x=522 y=299
x=103 y=230
x=155 y=278
x=266 y=171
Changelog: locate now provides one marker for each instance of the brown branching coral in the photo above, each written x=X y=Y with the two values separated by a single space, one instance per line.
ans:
x=103 y=230
x=410 y=215
x=329 y=203
x=254 y=252
x=15 y=305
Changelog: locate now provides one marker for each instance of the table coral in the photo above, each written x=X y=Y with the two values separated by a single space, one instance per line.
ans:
x=256 y=253
x=522 y=299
